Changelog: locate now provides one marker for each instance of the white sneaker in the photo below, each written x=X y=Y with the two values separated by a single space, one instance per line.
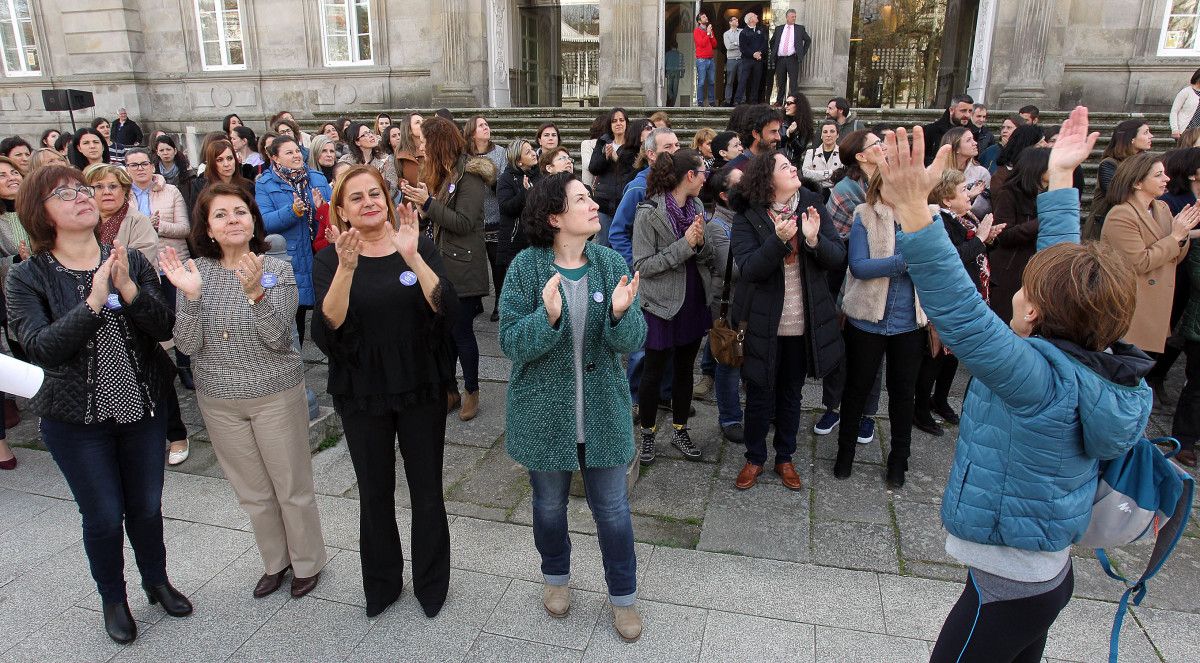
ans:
x=177 y=457
x=628 y=623
x=557 y=600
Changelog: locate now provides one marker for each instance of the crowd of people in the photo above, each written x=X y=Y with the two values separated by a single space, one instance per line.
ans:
x=827 y=247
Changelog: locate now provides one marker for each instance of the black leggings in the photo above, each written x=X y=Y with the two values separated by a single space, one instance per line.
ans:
x=1000 y=631
x=653 y=366
x=498 y=271
x=301 y=313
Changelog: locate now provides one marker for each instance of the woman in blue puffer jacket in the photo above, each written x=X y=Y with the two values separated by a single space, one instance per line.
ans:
x=1051 y=397
x=289 y=195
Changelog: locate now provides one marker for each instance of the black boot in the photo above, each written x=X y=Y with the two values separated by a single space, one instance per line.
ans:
x=895 y=473
x=844 y=464
x=118 y=622
x=175 y=603
x=185 y=377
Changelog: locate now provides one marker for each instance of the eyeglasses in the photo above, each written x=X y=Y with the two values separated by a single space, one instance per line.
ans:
x=67 y=194
x=700 y=173
x=143 y=164
x=108 y=187
x=562 y=157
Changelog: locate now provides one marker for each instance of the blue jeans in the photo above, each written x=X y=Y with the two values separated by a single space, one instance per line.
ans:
x=609 y=502
x=706 y=78
x=115 y=472
x=466 y=347
x=602 y=236
x=729 y=402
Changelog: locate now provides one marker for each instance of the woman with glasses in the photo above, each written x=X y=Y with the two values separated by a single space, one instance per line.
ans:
x=92 y=314
x=14 y=248
x=675 y=265
x=798 y=120
x=365 y=148
x=556 y=160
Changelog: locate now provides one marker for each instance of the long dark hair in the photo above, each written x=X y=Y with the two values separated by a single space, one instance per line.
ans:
x=181 y=160
x=803 y=117
x=1120 y=146
x=670 y=169
x=1026 y=179
x=356 y=152
x=1181 y=165
x=225 y=122
x=1022 y=138
x=611 y=115
x=77 y=159
x=849 y=147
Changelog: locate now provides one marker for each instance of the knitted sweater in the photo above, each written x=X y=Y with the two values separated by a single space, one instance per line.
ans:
x=540 y=429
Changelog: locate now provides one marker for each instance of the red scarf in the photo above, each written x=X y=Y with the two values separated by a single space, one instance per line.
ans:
x=110 y=226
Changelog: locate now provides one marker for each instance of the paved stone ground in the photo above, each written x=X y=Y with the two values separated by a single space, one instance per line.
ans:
x=840 y=571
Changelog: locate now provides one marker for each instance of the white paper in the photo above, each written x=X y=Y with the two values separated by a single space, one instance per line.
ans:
x=19 y=378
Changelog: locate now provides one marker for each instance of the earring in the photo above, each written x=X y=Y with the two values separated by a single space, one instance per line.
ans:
x=1026 y=318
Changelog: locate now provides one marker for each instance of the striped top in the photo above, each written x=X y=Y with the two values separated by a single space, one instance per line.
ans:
x=240 y=350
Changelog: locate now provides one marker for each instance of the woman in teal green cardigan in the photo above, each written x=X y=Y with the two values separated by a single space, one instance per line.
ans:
x=563 y=324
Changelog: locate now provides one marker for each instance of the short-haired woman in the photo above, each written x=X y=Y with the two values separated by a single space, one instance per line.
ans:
x=450 y=195
x=555 y=160
x=702 y=143
x=568 y=313
x=94 y=315
x=675 y=265
x=478 y=135
x=45 y=156
x=49 y=136
x=511 y=189
x=323 y=156
x=288 y=195
x=547 y=137
x=383 y=299
x=236 y=309
x=18 y=149
x=1027 y=458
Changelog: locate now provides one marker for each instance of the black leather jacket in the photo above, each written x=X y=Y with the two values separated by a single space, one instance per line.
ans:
x=58 y=332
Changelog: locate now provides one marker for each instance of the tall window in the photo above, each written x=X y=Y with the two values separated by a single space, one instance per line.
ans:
x=220 y=23
x=1181 y=26
x=16 y=39
x=346 y=27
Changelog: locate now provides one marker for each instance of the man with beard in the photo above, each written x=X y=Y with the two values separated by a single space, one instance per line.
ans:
x=760 y=134
x=957 y=115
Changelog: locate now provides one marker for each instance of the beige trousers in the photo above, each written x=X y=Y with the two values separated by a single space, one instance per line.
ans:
x=262 y=445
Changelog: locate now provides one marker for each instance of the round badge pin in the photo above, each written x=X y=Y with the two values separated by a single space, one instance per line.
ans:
x=598 y=296
x=408 y=278
x=113 y=303
x=269 y=280
x=451 y=188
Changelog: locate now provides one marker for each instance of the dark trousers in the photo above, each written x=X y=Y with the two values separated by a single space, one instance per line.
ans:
x=176 y=431
x=169 y=292
x=750 y=73
x=779 y=403
x=498 y=271
x=834 y=384
x=371 y=439
x=864 y=352
x=466 y=348
x=786 y=69
x=1186 y=426
x=1006 y=631
x=301 y=313
x=681 y=358
x=933 y=383
x=115 y=472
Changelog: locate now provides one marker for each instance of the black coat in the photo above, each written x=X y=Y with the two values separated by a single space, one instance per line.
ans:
x=969 y=250
x=611 y=176
x=754 y=40
x=58 y=333
x=510 y=195
x=127 y=134
x=760 y=255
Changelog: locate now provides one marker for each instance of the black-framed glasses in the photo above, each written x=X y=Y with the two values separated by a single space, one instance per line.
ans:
x=139 y=165
x=701 y=173
x=67 y=194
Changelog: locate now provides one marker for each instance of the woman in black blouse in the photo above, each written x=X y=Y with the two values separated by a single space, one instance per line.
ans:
x=93 y=316
x=383 y=303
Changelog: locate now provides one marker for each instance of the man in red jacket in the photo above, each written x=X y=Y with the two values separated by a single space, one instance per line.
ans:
x=706 y=72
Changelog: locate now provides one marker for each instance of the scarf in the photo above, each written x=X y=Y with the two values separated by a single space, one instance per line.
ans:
x=681 y=218
x=789 y=209
x=110 y=226
x=171 y=175
x=981 y=260
x=1195 y=121
x=298 y=178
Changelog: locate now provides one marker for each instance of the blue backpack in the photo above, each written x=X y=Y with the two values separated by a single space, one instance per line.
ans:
x=1140 y=495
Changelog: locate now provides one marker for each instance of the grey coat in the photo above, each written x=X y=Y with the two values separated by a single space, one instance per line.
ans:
x=717 y=232
x=661 y=259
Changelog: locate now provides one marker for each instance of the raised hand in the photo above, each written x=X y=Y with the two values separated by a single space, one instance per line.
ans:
x=906 y=180
x=347 y=246
x=785 y=225
x=249 y=271
x=624 y=294
x=120 y=268
x=98 y=296
x=983 y=229
x=23 y=250
x=186 y=278
x=695 y=232
x=1183 y=222
x=1074 y=144
x=810 y=225
x=552 y=298
x=408 y=232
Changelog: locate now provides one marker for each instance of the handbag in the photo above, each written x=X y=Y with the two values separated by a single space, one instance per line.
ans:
x=727 y=345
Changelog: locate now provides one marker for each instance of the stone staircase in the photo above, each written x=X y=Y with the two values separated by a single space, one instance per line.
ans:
x=573 y=124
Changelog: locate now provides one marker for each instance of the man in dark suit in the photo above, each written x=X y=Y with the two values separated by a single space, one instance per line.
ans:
x=753 y=44
x=789 y=46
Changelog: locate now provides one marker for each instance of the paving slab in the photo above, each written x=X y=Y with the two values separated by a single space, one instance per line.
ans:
x=457 y=461
x=916 y=607
x=499 y=649
x=921 y=535
x=673 y=488
x=36 y=473
x=752 y=522
x=672 y=633
x=202 y=500
x=520 y=614
x=1177 y=585
x=1172 y=632
x=863 y=546
x=496 y=481
x=202 y=460
x=27 y=545
x=1082 y=630
x=825 y=446
x=72 y=636
x=733 y=637
x=43 y=592
x=934 y=571
x=766 y=588
x=403 y=627
x=844 y=646
x=309 y=629
x=21 y=507
x=861 y=498
x=733 y=458
x=488 y=426
x=648 y=529
x=333 y=472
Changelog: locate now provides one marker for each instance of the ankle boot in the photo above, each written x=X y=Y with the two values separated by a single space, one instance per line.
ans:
x=470 y=405
x=118 y=622
x=844 y=465
x=174 y=602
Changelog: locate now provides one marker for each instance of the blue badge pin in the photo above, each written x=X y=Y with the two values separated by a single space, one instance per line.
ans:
x=408 y=278
x=113 y=303
x=269 y=280
x=451 y=188
x=598 y=296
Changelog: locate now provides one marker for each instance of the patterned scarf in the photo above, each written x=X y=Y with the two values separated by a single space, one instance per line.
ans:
x=110 y=226
x=788 y=209
x=681 y=219
x=985 y=267
x=298 y=178
x=1195 y=121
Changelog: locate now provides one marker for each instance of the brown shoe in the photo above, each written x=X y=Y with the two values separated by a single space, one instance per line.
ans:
x=302 y=586
x=1187 y=457
x=470 y=406
x=269 y=583
x=453 y=400
x=748 y=476
x=787 y=473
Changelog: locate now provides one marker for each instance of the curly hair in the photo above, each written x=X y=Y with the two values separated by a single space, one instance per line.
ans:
x=757 y=119
x=757 y=188
x=670 y=169
x=547 y=197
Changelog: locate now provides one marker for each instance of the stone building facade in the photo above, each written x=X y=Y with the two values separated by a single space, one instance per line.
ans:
x=190 y=62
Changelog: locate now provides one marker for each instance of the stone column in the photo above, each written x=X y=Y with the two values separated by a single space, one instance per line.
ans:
x=817 y=72
x=621 y=52
x=454 y=89
x=1027 y=80
x=985 y=26
x=499 y=44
